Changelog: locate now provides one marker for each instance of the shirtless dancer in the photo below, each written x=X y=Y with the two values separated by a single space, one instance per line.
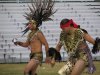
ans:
x=35 y=44
x=40 y=11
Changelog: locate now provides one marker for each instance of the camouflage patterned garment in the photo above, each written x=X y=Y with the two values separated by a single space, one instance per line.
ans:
x=77 y=48
x=74 y=44
x=37 y=56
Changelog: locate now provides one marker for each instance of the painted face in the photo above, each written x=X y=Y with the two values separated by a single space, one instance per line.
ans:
x=32 y=25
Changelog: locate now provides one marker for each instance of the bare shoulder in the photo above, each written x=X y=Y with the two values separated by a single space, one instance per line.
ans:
x=40 y=34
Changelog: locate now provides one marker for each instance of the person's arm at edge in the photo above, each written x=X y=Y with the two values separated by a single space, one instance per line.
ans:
x=58 y=46
x=88 y=38
x=23 y=44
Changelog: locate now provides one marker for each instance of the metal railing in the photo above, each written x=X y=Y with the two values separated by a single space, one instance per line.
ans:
x=21 y=57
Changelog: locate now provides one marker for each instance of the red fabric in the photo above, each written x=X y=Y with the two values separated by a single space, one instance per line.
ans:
x=68 y=24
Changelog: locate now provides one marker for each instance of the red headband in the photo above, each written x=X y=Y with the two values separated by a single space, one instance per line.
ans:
x=68 y=24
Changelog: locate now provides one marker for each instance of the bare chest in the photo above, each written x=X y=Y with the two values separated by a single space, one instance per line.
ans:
x=35 y=39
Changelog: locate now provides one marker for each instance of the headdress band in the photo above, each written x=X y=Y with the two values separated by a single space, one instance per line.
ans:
x=68 y=24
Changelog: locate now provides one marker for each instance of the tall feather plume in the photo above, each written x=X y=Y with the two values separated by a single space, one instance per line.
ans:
x=40 y=10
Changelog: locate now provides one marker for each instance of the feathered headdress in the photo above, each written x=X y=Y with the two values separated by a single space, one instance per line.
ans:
x=40 y=11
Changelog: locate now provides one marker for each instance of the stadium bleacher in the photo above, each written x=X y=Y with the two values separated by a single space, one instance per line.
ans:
x=84 y=13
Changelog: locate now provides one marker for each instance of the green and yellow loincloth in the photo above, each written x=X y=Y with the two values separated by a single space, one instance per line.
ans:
x=37 y=56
